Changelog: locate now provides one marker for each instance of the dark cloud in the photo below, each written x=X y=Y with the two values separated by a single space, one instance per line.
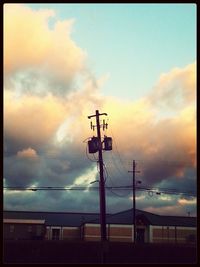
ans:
x=187 y=183
x=75 y=201
x=21 y=172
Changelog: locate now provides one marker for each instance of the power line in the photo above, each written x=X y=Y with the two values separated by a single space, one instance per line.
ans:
x=118 y=195
x=110 y=177
x=119 y=156
x=124 y=195
x=158 y=161
x=123 y=187
x=118 y=151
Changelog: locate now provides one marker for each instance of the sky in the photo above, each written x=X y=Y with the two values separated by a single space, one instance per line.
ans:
x=137 y=63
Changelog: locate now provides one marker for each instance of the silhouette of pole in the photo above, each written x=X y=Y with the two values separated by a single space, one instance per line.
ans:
x=101 y=182
x=134 y=205
x=134 y=219
x=102 y=185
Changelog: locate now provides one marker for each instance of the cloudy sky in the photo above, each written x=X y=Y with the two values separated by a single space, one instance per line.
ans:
x=137 y=63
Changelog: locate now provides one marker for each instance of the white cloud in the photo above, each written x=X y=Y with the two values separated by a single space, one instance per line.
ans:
x=87 y=178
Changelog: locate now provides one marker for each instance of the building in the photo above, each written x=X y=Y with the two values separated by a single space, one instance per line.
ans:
x=24 y=229
x=58 y=225
x=150 y=228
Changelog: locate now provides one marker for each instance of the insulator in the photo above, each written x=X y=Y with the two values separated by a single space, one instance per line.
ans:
x=91 y=124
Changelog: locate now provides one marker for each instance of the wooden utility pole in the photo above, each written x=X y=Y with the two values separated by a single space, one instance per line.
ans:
x=134 y=206
x=101 y=182
x=134 y=219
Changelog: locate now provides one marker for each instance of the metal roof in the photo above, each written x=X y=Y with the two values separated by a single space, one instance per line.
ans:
x=53 y=218
x=23 y=221
x=77 y=219
x=126 y=217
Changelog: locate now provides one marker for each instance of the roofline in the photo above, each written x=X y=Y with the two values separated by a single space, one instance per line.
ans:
x=60 y=212
x=136 y=210
x=91 y=213
x=175 y=216
x=25 y=221
x=107 y=215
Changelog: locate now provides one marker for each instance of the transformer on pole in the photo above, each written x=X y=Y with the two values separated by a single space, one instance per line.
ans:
x=95 y=145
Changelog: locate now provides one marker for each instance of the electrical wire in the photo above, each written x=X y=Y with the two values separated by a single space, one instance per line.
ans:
x=106 y=173
x=112 y=154
x=114 y=193
x=124 y=195
x=116 y=164
x=164 y=191
x=114 y=142
x=96 y=159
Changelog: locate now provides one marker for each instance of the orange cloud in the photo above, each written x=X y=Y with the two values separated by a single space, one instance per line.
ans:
x=27 y=153
x=175 y=89
x=184 y=201
x=29 y=42
x=32 y=119
x=141 y=133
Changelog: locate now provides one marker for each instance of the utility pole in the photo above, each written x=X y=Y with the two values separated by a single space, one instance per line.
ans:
x=134 y=205
x=101 y=182
x=134 y=219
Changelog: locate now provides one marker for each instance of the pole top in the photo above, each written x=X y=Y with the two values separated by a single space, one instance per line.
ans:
x=97 y=114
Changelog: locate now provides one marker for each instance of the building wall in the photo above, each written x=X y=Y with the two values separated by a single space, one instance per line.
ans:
x=62 y=233
x=121 y=233
x=36 y=229
x=47 y=235
x=186 y=235
x=70 y=233
x=146 y=232
x=153 y=234
x=19 y=231
x=172 y=234
x=92 y=232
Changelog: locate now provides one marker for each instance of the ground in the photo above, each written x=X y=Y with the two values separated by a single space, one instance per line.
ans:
x=39 y=251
